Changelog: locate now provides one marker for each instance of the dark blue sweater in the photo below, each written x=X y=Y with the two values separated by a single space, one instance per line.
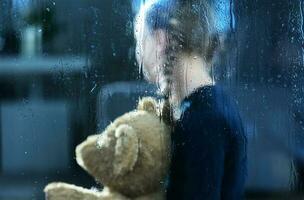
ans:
x=209 y=148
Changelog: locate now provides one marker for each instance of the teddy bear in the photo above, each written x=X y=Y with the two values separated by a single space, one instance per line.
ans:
x=130 y=158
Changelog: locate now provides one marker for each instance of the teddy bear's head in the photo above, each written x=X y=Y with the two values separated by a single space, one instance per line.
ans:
x=132 y=155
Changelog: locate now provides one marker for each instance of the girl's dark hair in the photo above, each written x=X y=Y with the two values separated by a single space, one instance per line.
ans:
x=190 y=28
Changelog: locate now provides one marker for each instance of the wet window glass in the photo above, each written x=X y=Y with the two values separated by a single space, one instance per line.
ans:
x=152 y=99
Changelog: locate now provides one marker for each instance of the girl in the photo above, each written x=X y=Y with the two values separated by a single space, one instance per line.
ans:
x=176 y=43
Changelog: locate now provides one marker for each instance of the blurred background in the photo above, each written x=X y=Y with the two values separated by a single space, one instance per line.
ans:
x=67 y=68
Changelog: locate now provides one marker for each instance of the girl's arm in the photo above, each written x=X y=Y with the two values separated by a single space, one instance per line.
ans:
x=203 y=166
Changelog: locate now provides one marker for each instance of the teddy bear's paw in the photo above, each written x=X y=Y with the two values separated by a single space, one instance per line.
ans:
x=64 y=191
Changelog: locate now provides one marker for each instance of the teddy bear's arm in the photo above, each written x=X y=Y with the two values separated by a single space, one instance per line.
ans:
x=64 y=191
x=160 y=195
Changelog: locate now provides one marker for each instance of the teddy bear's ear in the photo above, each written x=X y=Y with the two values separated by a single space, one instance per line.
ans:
x=126 y=149
x=148 y=104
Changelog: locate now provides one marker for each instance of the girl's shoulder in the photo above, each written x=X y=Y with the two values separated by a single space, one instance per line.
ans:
x=209 y=103
x=204 y=99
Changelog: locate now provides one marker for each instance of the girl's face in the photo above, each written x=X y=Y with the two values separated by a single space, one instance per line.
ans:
x=150 y=48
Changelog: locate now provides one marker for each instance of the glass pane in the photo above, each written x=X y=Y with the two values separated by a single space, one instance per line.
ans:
x=226 y=75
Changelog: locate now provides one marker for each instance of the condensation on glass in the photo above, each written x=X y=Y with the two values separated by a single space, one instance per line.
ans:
x=68 y=68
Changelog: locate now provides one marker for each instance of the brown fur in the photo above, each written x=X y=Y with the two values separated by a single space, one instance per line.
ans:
x=131 y=157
